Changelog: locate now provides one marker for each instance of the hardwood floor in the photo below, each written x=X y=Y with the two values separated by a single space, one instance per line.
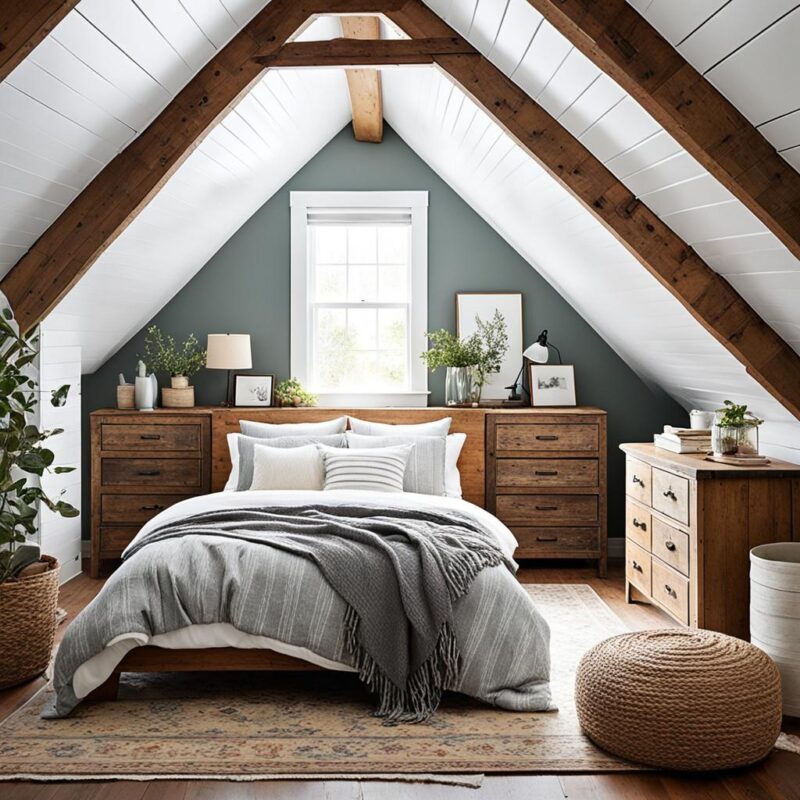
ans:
x=776 y=778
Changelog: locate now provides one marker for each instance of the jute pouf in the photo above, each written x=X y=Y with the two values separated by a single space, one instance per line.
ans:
x=680 y=699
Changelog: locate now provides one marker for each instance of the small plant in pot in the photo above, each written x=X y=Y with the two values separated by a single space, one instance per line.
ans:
x=469 y=361
x=180 y=361
x=28 y=580
x=735 y=431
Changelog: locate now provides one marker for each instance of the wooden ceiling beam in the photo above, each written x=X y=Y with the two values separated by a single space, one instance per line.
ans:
x=627 y=48
x=708 y=297
x=364 y=85
x=24 y=24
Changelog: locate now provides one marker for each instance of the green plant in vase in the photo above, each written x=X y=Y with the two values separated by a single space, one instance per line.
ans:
x=735 y=430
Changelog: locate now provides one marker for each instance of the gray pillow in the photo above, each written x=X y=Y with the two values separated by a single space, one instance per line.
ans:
x=242 y=450
x=376 y=470
x=437 y=427
x=273 y=430
x=425 y=470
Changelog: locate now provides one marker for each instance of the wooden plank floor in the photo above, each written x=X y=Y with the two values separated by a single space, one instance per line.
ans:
x=777 y=778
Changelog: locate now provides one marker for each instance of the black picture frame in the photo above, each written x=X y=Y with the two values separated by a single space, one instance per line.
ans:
x=246 y=384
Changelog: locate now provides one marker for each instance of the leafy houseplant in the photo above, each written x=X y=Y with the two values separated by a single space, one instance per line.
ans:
x=163 y=354
x=735 y=430
x=28 y=581
x=291 y=393
x=469 y=361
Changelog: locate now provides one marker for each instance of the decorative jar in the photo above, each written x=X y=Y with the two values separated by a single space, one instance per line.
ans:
x=458 y=389
x=731 y=440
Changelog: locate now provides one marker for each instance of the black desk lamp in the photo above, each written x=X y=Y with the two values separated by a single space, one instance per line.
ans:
x=539 y=353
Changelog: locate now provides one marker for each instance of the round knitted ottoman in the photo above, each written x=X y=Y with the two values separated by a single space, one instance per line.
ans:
x=680 y=699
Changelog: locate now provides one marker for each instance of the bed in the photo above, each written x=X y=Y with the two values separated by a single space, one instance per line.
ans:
x=194 y=597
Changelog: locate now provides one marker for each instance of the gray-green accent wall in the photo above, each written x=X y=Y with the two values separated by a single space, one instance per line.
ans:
x=244 y=288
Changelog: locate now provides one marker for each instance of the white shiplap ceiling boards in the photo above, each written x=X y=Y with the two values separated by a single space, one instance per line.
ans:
x=112 y=65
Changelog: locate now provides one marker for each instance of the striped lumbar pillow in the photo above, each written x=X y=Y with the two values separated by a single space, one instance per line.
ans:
x=378 y=470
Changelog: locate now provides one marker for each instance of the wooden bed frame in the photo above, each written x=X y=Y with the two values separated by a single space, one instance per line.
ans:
x=472 y=464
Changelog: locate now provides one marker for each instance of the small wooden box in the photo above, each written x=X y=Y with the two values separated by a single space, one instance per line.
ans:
x=125 y=396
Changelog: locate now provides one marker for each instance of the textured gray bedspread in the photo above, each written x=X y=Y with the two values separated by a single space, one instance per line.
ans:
x=175 y=581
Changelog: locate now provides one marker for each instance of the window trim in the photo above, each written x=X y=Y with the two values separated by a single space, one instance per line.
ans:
x=299 y=345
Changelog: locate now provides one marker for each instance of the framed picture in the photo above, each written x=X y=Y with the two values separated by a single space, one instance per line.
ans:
x=552 y=384
x=253 y=390
x=470 y=305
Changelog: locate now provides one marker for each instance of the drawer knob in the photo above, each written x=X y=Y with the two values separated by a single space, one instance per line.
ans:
x=637 y=566
x=547 y=538
x=670 y=546
x=670 y=591
x=637 y=524
x=152 y=508
x=546 y=472
x=150 y=437
x=637 y=479
x=546 y=438
x=149 y=472
x=547 y=508
x=670 y=494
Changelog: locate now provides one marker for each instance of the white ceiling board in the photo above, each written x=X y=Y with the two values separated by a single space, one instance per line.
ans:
x=792 y=156
x=516 y=33
x=213 y=18
x=760 y=261
x=676 y=19
x=711 y=222
x=783 y=132
x=692 y=193
x=486 y=23
x=623 y=128
x=574 y=77
x=541 y=60
x=666 y=172
x=597 y=99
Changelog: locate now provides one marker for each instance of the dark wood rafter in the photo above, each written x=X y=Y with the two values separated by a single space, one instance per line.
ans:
x=25 y=23
x=627 y=48
x=364 y=85
x=67 y=249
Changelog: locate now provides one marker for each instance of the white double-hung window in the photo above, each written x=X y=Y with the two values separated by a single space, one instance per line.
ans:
x=360 y=296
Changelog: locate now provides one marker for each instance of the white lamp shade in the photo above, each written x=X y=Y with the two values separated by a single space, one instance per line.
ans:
x=229 y=351
x=537 y=353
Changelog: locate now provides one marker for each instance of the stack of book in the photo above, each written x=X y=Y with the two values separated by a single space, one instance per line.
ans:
x=684 y=440
x=741 y=460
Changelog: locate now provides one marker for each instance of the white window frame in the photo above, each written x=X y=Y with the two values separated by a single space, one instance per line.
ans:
x=300 y=344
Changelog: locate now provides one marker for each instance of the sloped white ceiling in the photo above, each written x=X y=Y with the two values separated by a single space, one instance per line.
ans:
x=112 y=65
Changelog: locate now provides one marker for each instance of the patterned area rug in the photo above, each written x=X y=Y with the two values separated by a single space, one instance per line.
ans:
x=253 y=725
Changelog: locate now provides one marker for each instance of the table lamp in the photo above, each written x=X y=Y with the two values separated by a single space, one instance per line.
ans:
x=229 y=351
x=539 y=353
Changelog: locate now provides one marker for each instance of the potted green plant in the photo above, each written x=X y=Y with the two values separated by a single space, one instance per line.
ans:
x=470 y=361
x=180 y=361
x=735 y=431
x=291 y=393
x=28 y=579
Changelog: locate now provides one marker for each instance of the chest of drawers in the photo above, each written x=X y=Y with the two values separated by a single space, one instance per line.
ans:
x=689 y=528
x=141 y=464
x=546 y=480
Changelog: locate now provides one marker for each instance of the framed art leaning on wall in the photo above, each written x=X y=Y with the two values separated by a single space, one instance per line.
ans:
x=253 y=390
x=552 y=384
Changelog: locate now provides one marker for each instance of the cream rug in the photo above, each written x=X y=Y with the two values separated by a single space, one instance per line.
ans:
x=255 y=726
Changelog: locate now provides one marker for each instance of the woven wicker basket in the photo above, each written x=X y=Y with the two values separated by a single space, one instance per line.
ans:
x=680 y=699
x=177 y=398
x=27 y=624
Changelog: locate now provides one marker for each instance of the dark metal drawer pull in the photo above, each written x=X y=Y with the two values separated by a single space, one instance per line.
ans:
x=548 y=438
x=154 y=437
x=547 y=538
x=670 y=591
x=547 y=508
x=152 y=508
x=149 y=472
x=637 y=524
x=637 y=566
x=546 y=472
x=670 y=494
x=670 y=546
x=637 y=479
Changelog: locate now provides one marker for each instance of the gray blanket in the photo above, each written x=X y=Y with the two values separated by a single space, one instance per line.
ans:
x=398 y=570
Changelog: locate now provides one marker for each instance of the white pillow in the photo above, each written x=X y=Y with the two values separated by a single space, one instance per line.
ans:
x=439 y=427
x=271 y=430
x=289 y=468
x=378 y=470
x=452 y=477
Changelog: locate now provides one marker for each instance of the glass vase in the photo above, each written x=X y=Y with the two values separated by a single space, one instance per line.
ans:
x=731 y=440
x=458 y=386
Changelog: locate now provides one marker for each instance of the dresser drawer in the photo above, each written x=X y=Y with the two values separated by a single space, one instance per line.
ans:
x=671 y=495
x=114 y=539
x=536 y=472
x=556 y=541
x=151 y=437
x=671 y=546
x=671 y=591
x=637 y=480
x=179 y=472
x=638 y=566
x=136 y=508
x=544 y=509
x=547 y=436
x=637 y=523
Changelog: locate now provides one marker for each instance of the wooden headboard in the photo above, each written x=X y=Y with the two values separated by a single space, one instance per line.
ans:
x=471 y=421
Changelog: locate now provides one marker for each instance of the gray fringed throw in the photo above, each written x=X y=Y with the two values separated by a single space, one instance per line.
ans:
x=399 y=572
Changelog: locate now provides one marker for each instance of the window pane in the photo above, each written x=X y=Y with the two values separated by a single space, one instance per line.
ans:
x=330 y=283
x=392 y=370
x=329 y=244
x=392 y=329
x=362 y=243
x=333 y=351
x=362 y=287
x=393 y=244
x=393 y=283
x=361 y=327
